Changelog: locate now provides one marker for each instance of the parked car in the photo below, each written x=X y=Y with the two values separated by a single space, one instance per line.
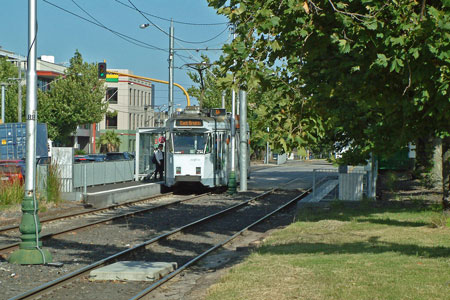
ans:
x=97 y=157
x=118 y=156
x=11 y=173
x=13 y=166
x=81 y=159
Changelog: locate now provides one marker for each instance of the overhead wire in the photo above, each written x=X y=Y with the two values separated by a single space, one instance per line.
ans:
x=121 y=35
x=177 y=22
x=159 y=28
x=175 y=38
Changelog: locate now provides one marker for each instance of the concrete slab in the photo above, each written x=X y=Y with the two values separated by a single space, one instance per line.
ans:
x=133 y=271
x=123 y=194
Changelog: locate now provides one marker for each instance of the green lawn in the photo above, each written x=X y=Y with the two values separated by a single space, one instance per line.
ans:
x=388 y=252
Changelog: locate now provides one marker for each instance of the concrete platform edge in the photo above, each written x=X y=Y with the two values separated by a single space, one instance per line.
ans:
x=117 y=196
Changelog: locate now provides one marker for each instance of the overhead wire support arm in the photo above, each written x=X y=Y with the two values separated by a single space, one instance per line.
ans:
x=188 y=99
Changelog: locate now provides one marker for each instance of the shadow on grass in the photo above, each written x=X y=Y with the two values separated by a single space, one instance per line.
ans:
x=391 y=222
x=371 y=246
x=362 y=212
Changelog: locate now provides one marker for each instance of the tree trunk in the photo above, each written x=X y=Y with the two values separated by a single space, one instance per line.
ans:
x=424 y=156
x=445 y=172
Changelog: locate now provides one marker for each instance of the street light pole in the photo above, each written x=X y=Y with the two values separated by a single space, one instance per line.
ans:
x=30 y=251
x=171 y=54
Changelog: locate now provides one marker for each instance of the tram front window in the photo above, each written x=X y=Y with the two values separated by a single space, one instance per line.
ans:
x=189 y=143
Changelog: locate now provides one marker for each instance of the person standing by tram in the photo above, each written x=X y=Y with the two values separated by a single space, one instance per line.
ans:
x=159 y=158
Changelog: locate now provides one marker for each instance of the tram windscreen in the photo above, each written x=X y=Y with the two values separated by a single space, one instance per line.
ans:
x=189 y=143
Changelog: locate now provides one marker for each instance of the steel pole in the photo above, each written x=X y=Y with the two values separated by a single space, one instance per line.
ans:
x=267 y=148
x=3 y=103
x=223 y=99
x=30 y=251
x=243 y=140
x=171 y=54
x=232 y=176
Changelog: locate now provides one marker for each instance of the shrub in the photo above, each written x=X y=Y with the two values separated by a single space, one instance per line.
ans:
x=440 y=220
x=53 y=184
x=11 y=193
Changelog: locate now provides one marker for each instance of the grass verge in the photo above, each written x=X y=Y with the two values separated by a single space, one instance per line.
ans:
x=367 y=252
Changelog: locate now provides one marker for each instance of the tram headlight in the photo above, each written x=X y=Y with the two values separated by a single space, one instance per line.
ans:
x=198 y=170
x=178 y=170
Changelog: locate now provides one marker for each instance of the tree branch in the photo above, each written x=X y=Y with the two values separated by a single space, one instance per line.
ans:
x=422 y=10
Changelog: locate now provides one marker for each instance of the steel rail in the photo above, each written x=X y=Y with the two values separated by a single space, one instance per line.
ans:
x=215 y=247
x=8 y=248
x=88 y=212
x=43 y=289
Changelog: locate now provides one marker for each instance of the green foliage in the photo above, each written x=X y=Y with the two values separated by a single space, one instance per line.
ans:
x=439 y=220
x=75 y=99
x=11 y=193
x=209 y=90
x=7 y=71
x=109 y=141
x=53 y=184
x=372 y=73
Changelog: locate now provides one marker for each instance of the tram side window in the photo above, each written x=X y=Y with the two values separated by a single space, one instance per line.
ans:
x=189 y=143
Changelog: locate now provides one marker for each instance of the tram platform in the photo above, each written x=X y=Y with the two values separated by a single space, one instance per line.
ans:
x=293 y=175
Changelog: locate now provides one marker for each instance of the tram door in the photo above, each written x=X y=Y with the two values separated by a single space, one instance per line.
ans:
x=218 y=141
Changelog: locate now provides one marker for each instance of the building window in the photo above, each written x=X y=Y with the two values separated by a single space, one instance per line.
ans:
x=129 y=97
x=111 y=95
x=111 y=121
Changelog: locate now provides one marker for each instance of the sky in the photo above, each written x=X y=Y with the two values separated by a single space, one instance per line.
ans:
x=61 y=33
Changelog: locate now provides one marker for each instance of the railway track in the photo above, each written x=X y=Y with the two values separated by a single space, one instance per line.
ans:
x=85 y=213
x=117 y=216
x=210 y=233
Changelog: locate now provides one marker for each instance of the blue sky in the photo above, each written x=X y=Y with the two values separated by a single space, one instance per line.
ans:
x=61 y=33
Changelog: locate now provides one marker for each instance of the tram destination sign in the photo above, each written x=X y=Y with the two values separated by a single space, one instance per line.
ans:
x=188 y=122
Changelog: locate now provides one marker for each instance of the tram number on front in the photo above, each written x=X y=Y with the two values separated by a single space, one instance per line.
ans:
x=188 y=123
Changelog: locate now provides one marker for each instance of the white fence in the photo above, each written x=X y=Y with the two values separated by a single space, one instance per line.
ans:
x=351 y=185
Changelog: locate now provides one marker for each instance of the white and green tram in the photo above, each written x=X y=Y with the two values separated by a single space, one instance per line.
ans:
x=197 y=148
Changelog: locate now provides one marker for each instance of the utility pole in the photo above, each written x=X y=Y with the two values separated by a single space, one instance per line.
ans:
x=232 y=177
x=30 y=251
x=267 y=147
x=223 y=99
x=243 y=140
x=171 y=54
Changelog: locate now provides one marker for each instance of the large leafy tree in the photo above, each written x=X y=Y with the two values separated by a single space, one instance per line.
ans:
x=73 y=99
x=376 y=72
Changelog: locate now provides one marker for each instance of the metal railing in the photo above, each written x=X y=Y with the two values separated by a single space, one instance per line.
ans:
x=76 y=177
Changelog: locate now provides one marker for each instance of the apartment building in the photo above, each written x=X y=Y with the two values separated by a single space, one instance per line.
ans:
x=131 y=105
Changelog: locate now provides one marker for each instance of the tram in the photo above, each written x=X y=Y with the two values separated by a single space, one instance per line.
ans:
x=197 y=148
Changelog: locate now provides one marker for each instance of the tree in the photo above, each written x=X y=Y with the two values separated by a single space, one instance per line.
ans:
x=9 y=70
x=74 y=99
x=109 y=141
x=376 y=73
x=209 y=91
